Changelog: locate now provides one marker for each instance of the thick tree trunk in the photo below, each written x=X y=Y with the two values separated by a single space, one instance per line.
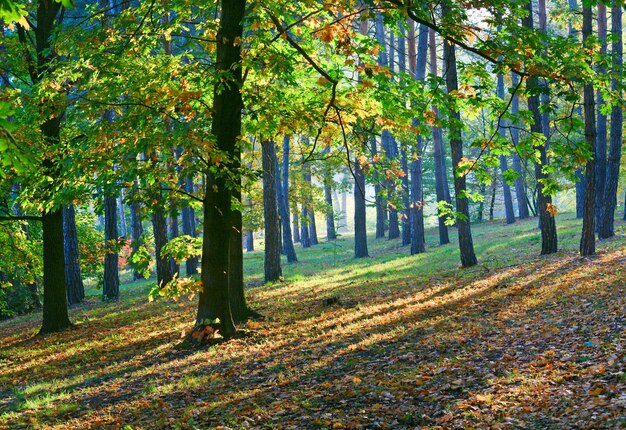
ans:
x=506 y=190
x=189 y=228
x=226 y=126
x=312 y=228
x=606 y=227
x=111 y=286
x=73 y=278
x=55 y=317
x=588 y=237
x=236 y=291
x=249 y=240
x=466 y=246
x=159 y=228
x=441 y=181
x=305 y=239
x=549 y=241
x=272 y=267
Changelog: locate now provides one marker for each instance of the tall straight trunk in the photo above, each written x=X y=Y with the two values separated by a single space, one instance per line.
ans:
x=248 y=239
x=417 y=70
x=381 y=213
x=331 y=232
x=360 y=231
x=55 y=317
x=404 y=161
x=226 y=127
x=159 y=229
x=305 y=239
x=111 y=286
x=441 y=180
x=389 y=144
x=283 y=208
x=520 y=182
x=121 y=215
x=308 y=198
x=136 y=229
x=73 y=278
x=288 y=238
x=174 y=233
x=606 y=226
x=189 y=227
x=588 y=237
x=506 y=190
x=601 y=130
x=466 y=245
x=549 y=241
x=272 y=267
x=296 y=227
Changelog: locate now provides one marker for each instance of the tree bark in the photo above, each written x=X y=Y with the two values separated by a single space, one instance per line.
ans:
x=441 y=181
x=282 y=186
x=121 y=215
x=136 y=229
x=588 y=237
x=360 y=229
x=272 y=267
x=607 y=220
x=73 y=278
x=506 y=190
x=174 y=233
x=159 y=229
x=549 y=241
x=226 y=127
x=111 y=286
x=600 y=160
x=520 y=181
x=189 y=227
x=466 y=246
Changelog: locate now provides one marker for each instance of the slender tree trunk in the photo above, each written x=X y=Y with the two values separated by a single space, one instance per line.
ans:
x=305 y=239
x=588 y=238
x=174 y=232
x=189 y=227
x=296 y=227
x=549 y=242
x=111 y=287
x=360 y=232
x=312 y=228
x=283 y=208
x=520 y=181
x=121 y=215
x=73 y=278
x=331 y=233
x=466 y=246
x=606 y=227
x=404 y=161
x=506 y=190
x=441 y=181
x=600 y=161
x=136 y=230
x=381 y=214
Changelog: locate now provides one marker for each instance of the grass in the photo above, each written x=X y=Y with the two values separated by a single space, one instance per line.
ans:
x=520 y=341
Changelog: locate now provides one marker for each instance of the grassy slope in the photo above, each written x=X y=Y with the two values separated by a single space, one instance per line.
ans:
x=520 y=341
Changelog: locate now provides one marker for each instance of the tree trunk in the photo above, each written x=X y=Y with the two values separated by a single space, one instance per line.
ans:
x=236 y=291
x=600 y=161
x=296 y=227
x=189 y=228
x=441 y=181
x=581 y=185
x=404 y=161
x=249 y=240
x=305 y=239
x=381 y=213
x=311 y=225
x=588 y=238
x=273 y=270
x=226 y=127
x=73 y=278
x=174 y=232
x=136 y=230
x=520 y=181
x=606 y=227
x=312 y=228
x=506 y=190
x=331 y=233
x=466 y=246
x=159 y=229
x=282 y=186
x=360 y=229
x=121 y=215
x=544 y=202
x=111 y=286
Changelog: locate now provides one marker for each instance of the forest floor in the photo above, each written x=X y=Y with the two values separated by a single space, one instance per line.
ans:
x=520 y=341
